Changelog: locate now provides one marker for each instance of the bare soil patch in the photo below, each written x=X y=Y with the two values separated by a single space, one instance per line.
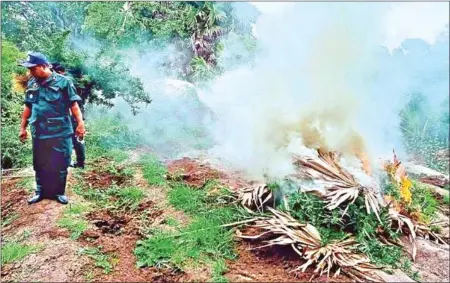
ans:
x=58 y=259
x=270 y=264
x=196 y=173
x=99 y=179
x=432 y=260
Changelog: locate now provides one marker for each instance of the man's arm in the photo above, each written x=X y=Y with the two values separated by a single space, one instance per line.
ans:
x=76 y=112
x=24 y=123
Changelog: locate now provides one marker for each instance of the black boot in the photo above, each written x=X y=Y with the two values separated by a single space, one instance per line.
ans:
x=62 y=199
x=60 y=195
x=36 y=198
x=77 y=165
x=39 y=187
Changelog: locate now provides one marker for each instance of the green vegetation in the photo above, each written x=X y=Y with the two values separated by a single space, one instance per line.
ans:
x=219 y=268
x=203 y=240
x=426 y=132
x=8 y=219
x=310 y=208
x=89 y=38
x=101 y=260
x=73 y=219
x=110 y=137
x=28 y=184
x=114 y=197
x=423 y=203
x=154 y=172
x=13 y=251
x=447 y=200
x=172 y=222
x=423 y=206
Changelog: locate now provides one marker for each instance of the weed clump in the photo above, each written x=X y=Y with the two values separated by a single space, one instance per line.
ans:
x=204 y=239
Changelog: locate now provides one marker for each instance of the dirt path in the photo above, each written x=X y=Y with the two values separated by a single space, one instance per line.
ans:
x=57 y=258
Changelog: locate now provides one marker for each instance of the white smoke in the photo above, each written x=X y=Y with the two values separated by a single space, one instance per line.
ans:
x=325 y=74
x=322 y=78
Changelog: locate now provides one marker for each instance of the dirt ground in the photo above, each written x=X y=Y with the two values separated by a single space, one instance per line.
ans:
x=59 y=258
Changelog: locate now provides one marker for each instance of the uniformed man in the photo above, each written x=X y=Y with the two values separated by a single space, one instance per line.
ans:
x=78 y=145
x=49 y=99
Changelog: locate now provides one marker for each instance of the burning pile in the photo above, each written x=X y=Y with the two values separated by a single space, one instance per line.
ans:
x=342 y=197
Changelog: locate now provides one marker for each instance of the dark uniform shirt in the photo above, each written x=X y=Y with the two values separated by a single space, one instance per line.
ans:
x=50 y=103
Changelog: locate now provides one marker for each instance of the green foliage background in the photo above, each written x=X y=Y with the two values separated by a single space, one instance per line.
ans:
x=56 y=29
x=93 y=38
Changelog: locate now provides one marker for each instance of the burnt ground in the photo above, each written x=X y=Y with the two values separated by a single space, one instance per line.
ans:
x=115 y=232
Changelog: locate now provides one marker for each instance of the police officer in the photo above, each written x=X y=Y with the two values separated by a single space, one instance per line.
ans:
x=49 y=99
x=78 y=145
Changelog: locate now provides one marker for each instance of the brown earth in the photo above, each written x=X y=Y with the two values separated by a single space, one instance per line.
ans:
x=117 y=232
x=57 y=258
x=270 y=264
x=432 y=260
x=196 y=173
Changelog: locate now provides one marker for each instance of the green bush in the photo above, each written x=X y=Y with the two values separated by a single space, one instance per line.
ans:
x=108 y=134
x=14 y=153
x=426 y=131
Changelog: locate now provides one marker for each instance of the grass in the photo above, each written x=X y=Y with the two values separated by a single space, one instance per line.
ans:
x=203 y=241
x=172 y=222
x=101 y=260
x=73 y=219
x=423 y=203
x=75 y=226
x=154 y=172
x=447 y=200
x=184 y=198
x=129 y=197
x=9 y=219
x=28 y=184
x=219 y=268
x=310 y=208
x=119 y=171
x=15 y=251
x=113 y=197
x=118 y=155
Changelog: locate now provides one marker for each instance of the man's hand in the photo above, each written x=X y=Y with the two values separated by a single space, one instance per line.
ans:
x=80 y=131
x=23 y=135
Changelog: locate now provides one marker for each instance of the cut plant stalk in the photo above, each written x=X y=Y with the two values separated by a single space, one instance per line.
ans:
x=339 y=255
x=256 y=197
x=341 y=187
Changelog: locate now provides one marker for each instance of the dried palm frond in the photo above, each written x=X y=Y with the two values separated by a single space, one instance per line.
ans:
x=290 y=230
x=304 y=238
x=426 y=233
x=327 y=165
x=256 y=197
x=341 y=255
x=405 y=225
x=341 y=186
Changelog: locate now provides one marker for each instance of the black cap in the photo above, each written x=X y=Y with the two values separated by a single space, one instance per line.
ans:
x=57 y=67
x=34 y=59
